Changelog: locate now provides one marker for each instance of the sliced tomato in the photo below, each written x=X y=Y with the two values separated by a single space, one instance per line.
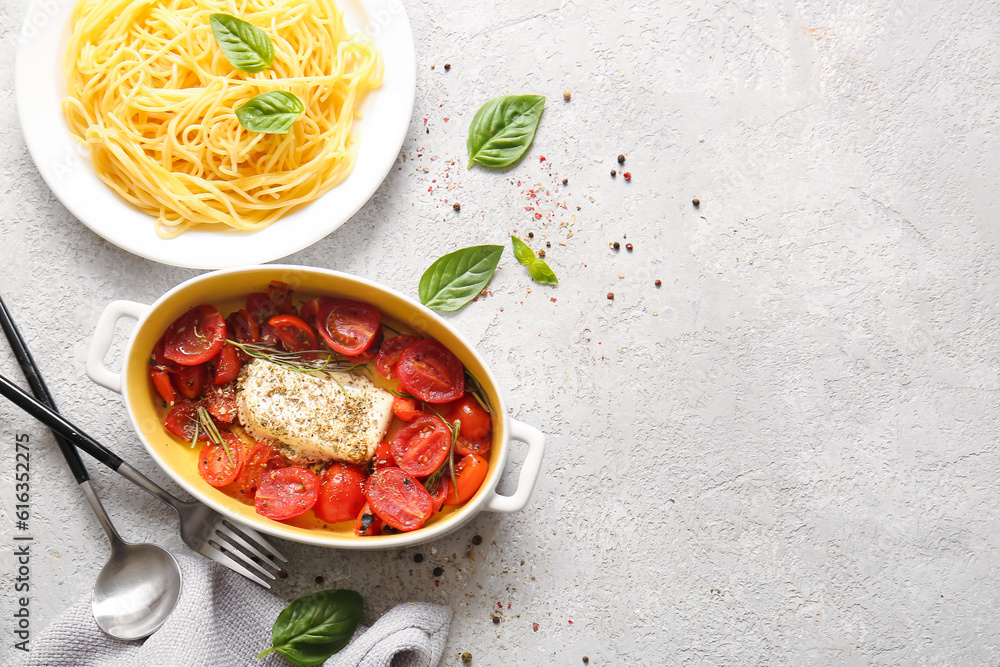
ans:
x=367 y=523
x=476 y=422
x=218 y=468
x=295 y=335
x=196 y=336
x=227 y=364
x=370 y=353
x=348 y=327
x=281 y=296
x=398 y=499
x=465 y=446
x=260 y=458
x=311 y=308
x=260 y=307
x=286 y=493
x=421 y=446
x=220 y=401
x=161 y=380
x=341 y=493
x=469 y=475
x=243 y=327
x=440 y=494
x=158 y=360
x=429 y=371
x=182 y=421
x=269 y=336
x=389 y=353
x=191 y=381
x=383 y=456
x=405 y=408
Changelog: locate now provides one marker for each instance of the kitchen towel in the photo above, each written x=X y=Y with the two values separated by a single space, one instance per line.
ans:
x=223 y=619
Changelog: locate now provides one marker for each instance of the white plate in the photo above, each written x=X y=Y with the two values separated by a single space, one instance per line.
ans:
x=66 y=168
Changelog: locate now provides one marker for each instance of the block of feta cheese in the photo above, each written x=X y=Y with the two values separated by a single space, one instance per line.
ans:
x=315 y=417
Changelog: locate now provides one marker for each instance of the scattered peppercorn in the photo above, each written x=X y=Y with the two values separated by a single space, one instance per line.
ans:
x=611 y=296
x=531 y=235
x=467 y=658
x=627 y=175
x=428 y=130
x=496 y=620
x=418 y=558
x=696 y=202
x=613 y=173
x=621 y=159
x=548 y=244
x=541 y=253
x=567 y=95
x=628 y=246
x=616 y=245
x=438 y=571
x=447 y=66
x=658 y=282
x=586 y=660
x=477 y=540
x=457 y=206
x=319 y=580
x=565 y=181
x=282 y=575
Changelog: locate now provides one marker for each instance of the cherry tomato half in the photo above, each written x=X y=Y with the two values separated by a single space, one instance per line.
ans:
x=220 y=401
x=370 y=353
x=476 y=422
x=227 y=364
x=286 y=493
x=421 y=446
x=398 y=499
x=259 y=459
x=440 y=494
x=161 y=380
x=389 y=353
x=295 y=335
x=269 y=336
x=158 y=360
x=310 y=309
x=465 y=446
x=469 y=475
x=405 y=408
x=367 y=523
x=191 y=380
x=243 y=327
x=261 y=307
x=196 y=336
x=215 y=465
x=281 y=296
x=341 y=493
x=348 y=327
x=429 y=371
x=182 y=421
x=383 y=456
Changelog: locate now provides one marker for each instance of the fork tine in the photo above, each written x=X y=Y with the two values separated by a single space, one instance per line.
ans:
x=254 y=536
x=227 y=531
x=210 y=550
x=244 y=559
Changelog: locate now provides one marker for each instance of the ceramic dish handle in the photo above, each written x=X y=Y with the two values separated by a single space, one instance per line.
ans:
x=104 y=335
x=532 y=465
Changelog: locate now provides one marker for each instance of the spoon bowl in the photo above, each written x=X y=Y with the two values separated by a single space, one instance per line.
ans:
x=136 y=590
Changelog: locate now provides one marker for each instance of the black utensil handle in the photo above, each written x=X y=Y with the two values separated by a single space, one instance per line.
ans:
x=58 y=423
x=39 y=389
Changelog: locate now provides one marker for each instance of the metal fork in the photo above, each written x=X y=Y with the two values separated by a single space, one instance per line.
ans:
x=203 y=529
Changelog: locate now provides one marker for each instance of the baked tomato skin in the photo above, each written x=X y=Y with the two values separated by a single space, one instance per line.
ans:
x=286 y=493
x=294 y=333
x=311 y=308
x=215 y=465
x=182 y=420
x=260 y=306
x=161 y=380
x=243 y=327
x=406 y=408
x=220 y=401
x=341 y=493
x=260 y=458
x=429 y=371
x=383 y=456
x=398 y=499
x=440 y=494
x=348 y=327
x=371 y=352
x=195 y=337
x=421 y=446
x=281 y=296
x=476 y=422
x=469 y=475
x=388 y=355
x=367 y=523
x=191 y=381
x=227 y=364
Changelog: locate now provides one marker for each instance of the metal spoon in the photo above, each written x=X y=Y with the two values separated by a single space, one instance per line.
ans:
x=141 y=583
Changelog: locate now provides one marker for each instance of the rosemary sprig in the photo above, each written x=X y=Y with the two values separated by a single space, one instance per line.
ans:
x=477 y=391
x=434 y=480
x=298 y=361
x=205 y=422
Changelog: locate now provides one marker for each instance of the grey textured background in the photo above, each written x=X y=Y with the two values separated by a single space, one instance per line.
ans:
x=784 y=455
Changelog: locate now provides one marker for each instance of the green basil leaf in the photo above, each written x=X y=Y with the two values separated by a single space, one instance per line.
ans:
x=522 y=252
x=272 y=112
x=541 y=273
x=314 y=627
x=457 y=278
x=503 y=128
x=246 y=47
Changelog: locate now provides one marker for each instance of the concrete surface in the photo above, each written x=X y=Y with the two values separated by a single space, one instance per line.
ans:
x=786 y=454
